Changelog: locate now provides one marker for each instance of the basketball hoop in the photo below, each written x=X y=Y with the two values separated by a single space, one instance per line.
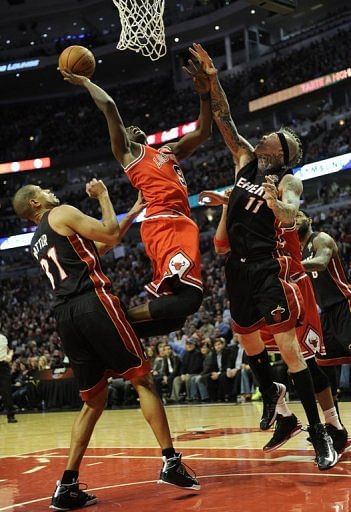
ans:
x=142 y=27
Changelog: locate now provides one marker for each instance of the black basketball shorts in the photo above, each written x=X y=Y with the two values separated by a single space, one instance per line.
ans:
x=336 y=327
x=261 y=294
x=99 y=341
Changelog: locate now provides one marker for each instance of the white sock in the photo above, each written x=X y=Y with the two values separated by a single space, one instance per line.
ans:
x=331 y=417
x=283 y=409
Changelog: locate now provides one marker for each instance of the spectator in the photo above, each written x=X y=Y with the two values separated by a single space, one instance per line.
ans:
x=192 y=364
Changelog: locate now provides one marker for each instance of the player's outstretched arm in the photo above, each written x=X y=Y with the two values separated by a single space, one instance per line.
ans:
x=124 y=225
x=191 y=141
x=324 y=247
x=240 y=148
x=120 y=143
x=67 y=220
x=212 y=198
x=289 y=191
x=221 y=241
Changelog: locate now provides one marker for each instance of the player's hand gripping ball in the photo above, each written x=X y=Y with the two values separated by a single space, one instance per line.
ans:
x=78 y=60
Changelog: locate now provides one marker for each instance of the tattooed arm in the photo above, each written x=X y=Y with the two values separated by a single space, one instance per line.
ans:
x=284 y=201
x=240 y=148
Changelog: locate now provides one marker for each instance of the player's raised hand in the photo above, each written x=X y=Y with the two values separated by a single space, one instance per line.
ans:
x=96 y=188
x=70 y=77
x=139 y=205
x=199 y=77
x=270 y=191
x=212 y=198
x=205 y=60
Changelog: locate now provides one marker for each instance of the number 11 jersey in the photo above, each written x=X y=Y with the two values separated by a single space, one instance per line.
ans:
x=253 y=230
x=157 y=174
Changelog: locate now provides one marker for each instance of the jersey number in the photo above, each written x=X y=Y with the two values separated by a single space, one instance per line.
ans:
x=253 y=204
x=180 y=174
x=44 y=262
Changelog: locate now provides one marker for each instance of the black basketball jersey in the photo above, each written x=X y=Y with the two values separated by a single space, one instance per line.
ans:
x=71 y=263
x=330 y=286
x=252 y=227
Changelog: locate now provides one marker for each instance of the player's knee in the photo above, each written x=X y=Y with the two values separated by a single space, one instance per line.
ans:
x=97 y=403
x=185 y=301
x=319 y=378
x=146 y=381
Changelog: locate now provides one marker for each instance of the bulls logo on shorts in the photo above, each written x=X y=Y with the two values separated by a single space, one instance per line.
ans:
x=277 y=314
x=313 y=341
x=179 y=264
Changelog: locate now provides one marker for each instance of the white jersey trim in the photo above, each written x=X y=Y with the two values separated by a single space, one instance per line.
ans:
x=136 y=160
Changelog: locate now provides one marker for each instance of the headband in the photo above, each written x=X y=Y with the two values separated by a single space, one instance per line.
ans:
x=285 y=147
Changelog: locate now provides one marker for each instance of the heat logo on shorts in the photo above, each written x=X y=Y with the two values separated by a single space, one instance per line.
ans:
x=277 y=314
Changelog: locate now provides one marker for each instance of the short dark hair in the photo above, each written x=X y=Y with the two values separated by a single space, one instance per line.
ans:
x=20 y=201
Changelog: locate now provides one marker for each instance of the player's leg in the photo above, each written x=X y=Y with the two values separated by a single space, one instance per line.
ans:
x=173 y=248
x=273 y=393
x=183 y=301
x=247 y=321
x=335 y=429
x=173 y=471
x=281 y=304
x=67 y=495
x=83 y=428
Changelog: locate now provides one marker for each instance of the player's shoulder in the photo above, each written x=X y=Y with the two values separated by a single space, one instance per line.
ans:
x=323 y=239
x=292 y=182
x=63 y=215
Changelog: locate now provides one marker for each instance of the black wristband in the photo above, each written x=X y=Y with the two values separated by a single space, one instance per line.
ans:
x=206 y=96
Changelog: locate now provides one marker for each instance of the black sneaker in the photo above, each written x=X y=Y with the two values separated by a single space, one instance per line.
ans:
x=69 y=497
x=174 y=472
x=270 y=406
x=11 y=419
x=326 y=456
x=286 y=427
x=339 y=438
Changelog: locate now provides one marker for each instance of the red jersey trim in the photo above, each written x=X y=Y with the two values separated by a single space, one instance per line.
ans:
x=114 y=311
x=341 y=282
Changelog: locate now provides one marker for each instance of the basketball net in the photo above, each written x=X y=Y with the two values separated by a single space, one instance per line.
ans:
x=143 y=29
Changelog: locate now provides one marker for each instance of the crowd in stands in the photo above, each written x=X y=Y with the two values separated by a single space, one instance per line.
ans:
x=72 y=124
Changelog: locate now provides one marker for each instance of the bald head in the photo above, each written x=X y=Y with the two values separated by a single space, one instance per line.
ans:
x=21 y=201
x=31 y=200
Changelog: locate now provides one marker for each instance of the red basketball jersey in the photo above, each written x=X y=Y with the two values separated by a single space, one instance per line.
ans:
x=157 y=174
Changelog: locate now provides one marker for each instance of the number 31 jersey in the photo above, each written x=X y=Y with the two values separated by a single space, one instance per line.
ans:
x=253 y=229
x=157 y=174
x=71 y=263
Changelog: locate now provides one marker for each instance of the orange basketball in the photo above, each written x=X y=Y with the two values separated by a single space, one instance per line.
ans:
x=77 y=59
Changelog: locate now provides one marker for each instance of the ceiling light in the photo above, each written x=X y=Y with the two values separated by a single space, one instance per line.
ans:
x=176 y=39
x=8 y=41
x=253 y=11
x=217 y=27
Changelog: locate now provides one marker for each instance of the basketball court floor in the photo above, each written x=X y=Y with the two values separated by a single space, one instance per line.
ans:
x=221 y=443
